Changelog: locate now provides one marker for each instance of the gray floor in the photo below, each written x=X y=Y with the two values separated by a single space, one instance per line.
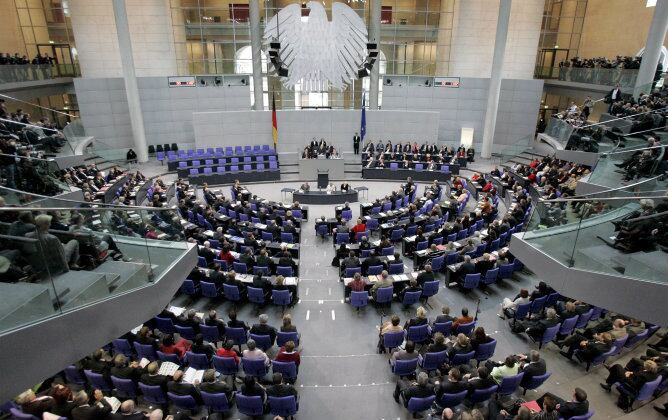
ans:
x=341 y=375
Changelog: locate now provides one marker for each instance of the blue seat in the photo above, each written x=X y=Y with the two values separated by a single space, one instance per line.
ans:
x=551 y=300
x=490 y=277
x=509 y=384
x=285 y=407
x=125 y=388
x=122 y=346
x=396 y=235
x=238 y=336
x=533 y=382
x=145 y=351
x=210 y=333
x=645 y=393
x=281 y=297
x=437 y=263
x=240 y=267
x=342 y=238
x=197 y=360
x=482 y=395
x=485 y=351
x=462 y=358
x=442 y=327
x=17 y=414
x=359 y=299
x=322 y=230
x=521 y=311
x=184 y=402
x=548 y=335
x=397 y=268
x=387 y=251
x=263 y=341
x=231 y=292
x=96 y=380
x=404 y=367
x=596 y=313
x=284 y=337
x=168 y=357
x=452 y=400
x=411 y=298
x=429 y=289
x=284 y=271
x=254 y=367
x=347 y=214
x=188 y=287
x=375 y=270
x=418 y=334
x=583 y=319
x=257 y=269
x=431 y=361
x=165 y=325
x=393 y=340
x=632 y=341
x=452 y=258
x=215 y=403
x=255 y=295
x=350 y=271
x=538 y=304
x=586 y=416
x=287 y=237
x=598 y=360
x=74 y=376
x=471 y=281
x=384 y=295
x=506 y=271
x=208 y=289
x=287 y=369
x=185 y=332
x=416 y=404
x=225 y=365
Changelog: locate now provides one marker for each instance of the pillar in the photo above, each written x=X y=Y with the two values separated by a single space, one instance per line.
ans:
x=650 y=57
x=131 y=90
x=256 y=51
x=374 y=37
x=444 y=37
x=495 y=80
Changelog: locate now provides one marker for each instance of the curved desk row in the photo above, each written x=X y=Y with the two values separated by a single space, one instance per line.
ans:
x=402 y=174
x=322 y=197
x=230 y=177
x=216 y=160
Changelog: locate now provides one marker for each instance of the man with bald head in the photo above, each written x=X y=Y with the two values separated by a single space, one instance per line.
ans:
x=178 y=387
x=128 y=411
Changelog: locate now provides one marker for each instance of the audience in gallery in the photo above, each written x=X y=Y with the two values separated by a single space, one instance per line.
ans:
x=552 y=177
x=25 y=137
x=407 y=155
x=626 y=62
x=16 y=59
x=315 y=149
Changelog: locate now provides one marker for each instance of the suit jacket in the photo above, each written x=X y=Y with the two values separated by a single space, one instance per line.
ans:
x=216 y=388
x=182 y=388
x=534 y=369
x=281 y=390
x=417 y=391
x=573 y=408
x=126 y=373
x=479 y=383
x=356 y=139
x=593 y=349
x=424 y=276
x=448 y=387
x=138 y=415
x=154 y=380
x=94 y=412
x=264 y=329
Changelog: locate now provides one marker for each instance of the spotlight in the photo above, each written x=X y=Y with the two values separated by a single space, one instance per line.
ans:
x=362 y=73
x=283 y=72
x=371 y=46
x=202 y=82
x=218 y=80
x=275 y=45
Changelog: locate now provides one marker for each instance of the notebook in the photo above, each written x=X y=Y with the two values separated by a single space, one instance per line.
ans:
x=532 y=405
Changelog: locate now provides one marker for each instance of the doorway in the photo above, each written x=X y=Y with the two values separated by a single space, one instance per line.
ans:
x=547 y=64
x=64 y=65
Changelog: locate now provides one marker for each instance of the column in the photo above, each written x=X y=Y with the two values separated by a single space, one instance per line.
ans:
x=256 y=51
x=495 y=80
x=374 y=37
x=131 y=90
x=650 y=57
x=444 y=37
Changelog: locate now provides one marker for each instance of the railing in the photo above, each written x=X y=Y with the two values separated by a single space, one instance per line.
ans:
x=31 y=174
x=107 y=251
x=511 y=151
x=607 y=172
x=33 y=72
x=607 y=235
x=625 y=78
x=560 y=130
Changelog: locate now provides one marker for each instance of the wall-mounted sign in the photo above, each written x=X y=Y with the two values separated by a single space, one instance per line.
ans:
x=450 y=82
x=181 y=81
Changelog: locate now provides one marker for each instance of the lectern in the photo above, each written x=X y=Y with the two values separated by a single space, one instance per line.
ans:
x=323 y=179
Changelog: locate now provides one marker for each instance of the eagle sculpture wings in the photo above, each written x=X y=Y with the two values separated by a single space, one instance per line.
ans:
x=315 y=50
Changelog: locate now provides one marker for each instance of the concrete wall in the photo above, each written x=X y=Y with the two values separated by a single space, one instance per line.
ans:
x=465 y=107
x=168 y=112
x=474 y=29
x=297 y=127
x=615 y=27
x=10 y=29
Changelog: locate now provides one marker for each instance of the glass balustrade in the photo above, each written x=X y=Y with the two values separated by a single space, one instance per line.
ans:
x=30 y=174
x=622 y=236
x=56 y=259
x=628 y=166
x=625 y=78
x=515 y=149
x=33 y=72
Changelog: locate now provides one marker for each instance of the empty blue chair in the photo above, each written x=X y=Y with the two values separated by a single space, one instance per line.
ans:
x=482 y=395
x=490 y=277
x=208 y=289
x=125 y=388
x=210 y=333
x=416 y=404
x=509 y=384
x=287 y=237
x=342 y=238
x=287 y=369
x=281 y=297
x=600 y=359
x=197 y=360
x=471 y=281
x=240 y=267
x=404 y=367
x=256 y=295
x=165 y=325
x=551 y=300
x=74 y=376
x=429 y=289
x=506 y=271
x=254 y=367
x=183 y=164
x=350 y=272
x=431 y=361
x=285 y=407
x=184 y=402
x=410 y=230
x=231 y=292
x=567 y=327
x=284 y=271
x=322 y=231
x=193 y=172
x=393 y=340
x=444 y=328
x=618 y=344
x=462 y=358
x=632 y=341
x=387 y=251
x=97 y=381
x=384 y=295
x=452 y=237
x=347 y=214
x=596 y=313
x=548 y=335
x=225 y=365
x=583 y=319
x=122 y=346
x=396 y=268
x=452 y=258
x=437 y=263
x=538 y=304
x=215 y=403
x=284 y=337
x=533 y=382
x=485 y=351
x=185 y=332
x=188 y=287
x=411 y=298
x=396 y=235
x=418 y=334
x=145 y=351
x=359 y=299
x=452 y=400
x=238 y=336
x=375 y=270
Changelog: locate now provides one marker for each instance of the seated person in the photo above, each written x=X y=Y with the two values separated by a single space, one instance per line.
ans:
x=280 y=388
x=228 y=351
x=263 y=328
x=61 y=257
x=151 y=377
x=358 y=284
x=351 y=262
x=169 y=346
x=509 y=367
x=452 y=384
x=178 y=387
x=288 y=353
x=481 y=381
x=345 y=187
x=408 y=353
x=576 y=407
x=408 y=389
x=388 y=326
x=200 y=347
x=464 y=319
x=536 y=327
x=466 y=267
x=189 y=319
x=444 y=316
x=589 y=349
x=532 y=365
x=212 y=386
x=287 y=325
x=485 y=263
x=479 y=337
x=251 y=388
x=438 y=345
x=509 y=306
x=420 y=318
x=32 y=405
x=383 y=281
x=425 y=276
x=632 y=379
x=412 y=286
x=234 y=322
x=461 y=345
x=252 y=352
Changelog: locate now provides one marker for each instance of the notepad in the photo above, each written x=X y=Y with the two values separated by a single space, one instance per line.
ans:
x=176 y=310
x=114 y=403
x=532 y=405
x=191 y=375
x=168 y=369
x=144 y=362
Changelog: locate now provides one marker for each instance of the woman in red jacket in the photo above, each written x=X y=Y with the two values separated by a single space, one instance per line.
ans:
x=288 y=353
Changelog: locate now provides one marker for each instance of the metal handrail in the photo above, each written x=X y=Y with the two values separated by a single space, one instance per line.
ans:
x=622 y=118
x=568 y=200
x=623 y=187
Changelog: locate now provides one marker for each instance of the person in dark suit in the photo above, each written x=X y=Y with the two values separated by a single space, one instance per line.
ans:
x=452 y=385
x=152 y=378
x=479 y=337
x=212 y=320
x=189 y=319
x=351 y=262
x=260 y=282
x=567 y=409
x=211 y=386
x=247 y=258
x=482 y=381
x=589 y=349
x=536 y=328
x=178 y=387
x=96 y=362
x=84 y=411
x=200 y=347
x=408 y=389
x=123 y=371
x=356 y=143
x=207 y=252
x=613 y=96
x=632 y=379
x=279 y=388
x=438 y=345
x=532 y=365
x=412 y=287
x=216 y=276
x=128 y=411
x=251 y=388
x=467 y=267
x=234 y=322
x=263 y=260
x=444 y=316
x=483 y=264
x=371 y=261
x=426 y=275
x=263 y=328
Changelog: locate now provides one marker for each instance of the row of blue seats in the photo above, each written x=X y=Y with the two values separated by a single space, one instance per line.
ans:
x=264 y=149
x=224 y=161
x=232 y=293
x=260 y=167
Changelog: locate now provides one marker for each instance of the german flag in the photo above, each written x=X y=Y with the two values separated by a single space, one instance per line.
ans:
x=274 y=124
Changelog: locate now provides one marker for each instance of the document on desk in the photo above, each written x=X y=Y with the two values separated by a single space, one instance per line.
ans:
x=373 y=279
x=390 y=257
x=144 y=362
x=176 y=310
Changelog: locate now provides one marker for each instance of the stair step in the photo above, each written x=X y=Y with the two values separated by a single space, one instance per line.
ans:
x=123 y=275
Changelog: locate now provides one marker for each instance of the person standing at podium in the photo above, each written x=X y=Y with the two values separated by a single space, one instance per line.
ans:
x=356 y=143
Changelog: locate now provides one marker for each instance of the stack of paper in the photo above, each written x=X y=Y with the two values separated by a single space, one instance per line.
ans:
x=168 y=369
x=114 y=403
x=191 y=375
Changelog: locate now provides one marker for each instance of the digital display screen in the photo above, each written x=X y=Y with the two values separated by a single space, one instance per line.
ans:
x=181 y=81
x=450 y=82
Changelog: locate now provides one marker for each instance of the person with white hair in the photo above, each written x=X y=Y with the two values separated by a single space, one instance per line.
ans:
x=406 y=389
x=252 y=352
x=61 y=258
x=128 y=411
x=263 y=328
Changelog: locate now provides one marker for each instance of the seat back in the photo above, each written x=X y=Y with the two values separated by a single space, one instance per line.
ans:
x=586 y=416
x=237 y=335
x=568 y=325
x=647 y=390
x=437 y=263
x=411 y=298
x=509 y=384
x=387 y=251
x=490 y=276
x=254 y=367
x=210 y=333
x=96 y=380
x=481 y=395
x=418 y=333
x=122 y=345
x=263 y=341
x=216 y=403
x=281 y=297
x=73 y=375
x=125 y=388
x=208 y=289
x=342 y=238
x=431 y=361
x=538 y=304
x=533 y=382
x=632 y=341
x=416 y=404
x=185 y=402
x=359 y=299
x=231 y=291
x=550 y=334
x=185 y=332
x=583 y=319
x=225 y=365
x=397 y=268
x=375 y=270
x=197 y=361
x=288 y=369
x=350 y=272
x=20 y=415
x=240 y=267
x=551 y=300
x=284 y=337
x=384 y=294
x=168 y=357
x=284 y=271
x=471 y=281
x=452 y=400
x=522 y=310
x=430 y=288
x=442 y=327
x=485 y=350
x=283 y=406
x=506 y=271
x=465 y=329
x=393 y=340
x=405 y=367
x=462 y=358
x=255 y=295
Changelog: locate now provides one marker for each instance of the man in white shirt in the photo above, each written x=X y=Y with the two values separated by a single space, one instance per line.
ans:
x=252 y=352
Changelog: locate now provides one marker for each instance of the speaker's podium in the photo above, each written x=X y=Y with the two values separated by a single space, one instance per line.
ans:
x=323 y=179
x=310 y=168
